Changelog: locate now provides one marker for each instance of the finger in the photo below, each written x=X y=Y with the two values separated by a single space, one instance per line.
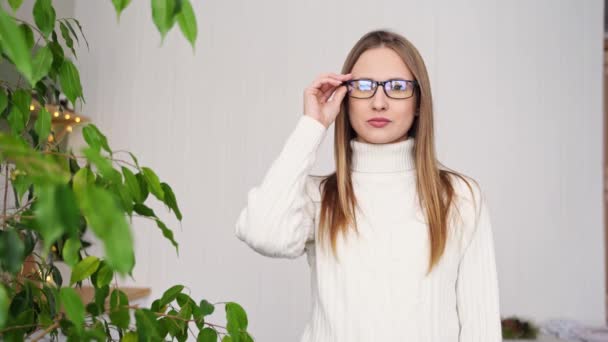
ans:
x=332 y=92
x=340 y=77
x=338 y=95
x=318 y=84
x=327 y=94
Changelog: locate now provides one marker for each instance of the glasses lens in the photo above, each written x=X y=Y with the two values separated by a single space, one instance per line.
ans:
x=399 y=89
x=361 y=88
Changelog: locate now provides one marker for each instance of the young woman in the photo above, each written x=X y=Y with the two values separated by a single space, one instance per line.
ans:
x=400 y=248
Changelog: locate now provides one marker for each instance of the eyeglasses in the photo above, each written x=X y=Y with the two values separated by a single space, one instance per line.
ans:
x=394 y=88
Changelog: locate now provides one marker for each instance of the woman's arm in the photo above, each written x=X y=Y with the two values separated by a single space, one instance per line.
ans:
x=477 y=283
x=278 y=219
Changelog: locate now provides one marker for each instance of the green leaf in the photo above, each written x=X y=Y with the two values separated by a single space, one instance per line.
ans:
x=71 y=28
x=144 y=210
x=58 y=55
x=84 y=269
x=72 y=303
x=124 y=197
x=15 y=4
x=170 y=201
x=236 y=319
x=153 y=183
x=93 y=136
x=109 y=223
x=134 y=160
x=44 y=16
x=170 y=295
x=15 y=120
x=119 y=311
x=28 y=34
x=129 y=337
x=79 y=28
x=4 y=303
x=83 y=178
x=51 y=294
x=186 y=311
x=206 y=307
x=104 y=275
x=21 y=183
x=56 y=275
x=71 y=250
x=20 y=111
x=101 y=293
x=14 y=45
x=41 y=63
x=146 y=324
x=43 y=124
x=103 y=164
x=163 y=15
x=207 y=335
x=143 y=186
x=167 y=233
x=11 y=251
x=187 y=22
x=65 y=33
x=70 y=81
x=41 y=169
x=119 y=6
x=56 y=213
x=132 y=184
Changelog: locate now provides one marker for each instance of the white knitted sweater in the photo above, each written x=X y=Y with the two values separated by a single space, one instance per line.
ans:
x=377 y=290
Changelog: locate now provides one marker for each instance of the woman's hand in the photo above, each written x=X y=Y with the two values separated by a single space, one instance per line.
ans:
x=317 y=102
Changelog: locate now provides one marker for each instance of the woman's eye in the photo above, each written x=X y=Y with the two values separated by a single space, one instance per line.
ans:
x=398 y=85
x=364 y=85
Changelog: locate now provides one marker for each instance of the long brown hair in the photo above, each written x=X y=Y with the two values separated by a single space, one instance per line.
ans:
x=434 y=185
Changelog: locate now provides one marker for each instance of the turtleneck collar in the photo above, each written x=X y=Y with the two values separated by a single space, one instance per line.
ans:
x=377 y=158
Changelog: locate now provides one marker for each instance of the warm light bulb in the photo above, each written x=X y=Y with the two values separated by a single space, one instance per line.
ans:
x=49 y=278
x=56 y=114
x=32 y=107
x=67 y=116
x=50 y=138
x=77 y=119
x=69 y=128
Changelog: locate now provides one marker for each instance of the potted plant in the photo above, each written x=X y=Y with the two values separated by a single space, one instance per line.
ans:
x=52 y=196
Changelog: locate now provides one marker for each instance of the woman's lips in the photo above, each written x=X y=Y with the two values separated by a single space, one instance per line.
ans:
x=378 y=123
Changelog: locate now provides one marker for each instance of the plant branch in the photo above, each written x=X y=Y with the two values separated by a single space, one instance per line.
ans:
x=5 y=194
x=47 y=330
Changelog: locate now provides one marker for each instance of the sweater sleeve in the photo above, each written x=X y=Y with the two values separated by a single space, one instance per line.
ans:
x=278 y=219
x=477 y=283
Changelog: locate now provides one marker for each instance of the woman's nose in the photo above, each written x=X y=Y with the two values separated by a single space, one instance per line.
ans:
x=379 y=101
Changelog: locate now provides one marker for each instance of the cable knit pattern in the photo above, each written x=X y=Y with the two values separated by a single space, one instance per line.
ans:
x=377 y=289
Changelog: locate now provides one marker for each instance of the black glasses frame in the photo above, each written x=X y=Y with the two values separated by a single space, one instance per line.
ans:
x=375 y=84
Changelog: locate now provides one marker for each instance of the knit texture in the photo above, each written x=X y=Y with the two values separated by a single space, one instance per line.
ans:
x=377 y=289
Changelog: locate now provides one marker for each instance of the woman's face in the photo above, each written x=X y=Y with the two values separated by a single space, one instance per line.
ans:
x=380 y=64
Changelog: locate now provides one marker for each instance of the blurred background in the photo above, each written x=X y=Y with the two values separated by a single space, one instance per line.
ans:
x=518 y=97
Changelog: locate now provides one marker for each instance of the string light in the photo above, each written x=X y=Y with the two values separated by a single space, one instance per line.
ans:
x=77 y=119
x=56 y=114
x=32 y=107
x=69 y=128
x=67 y=116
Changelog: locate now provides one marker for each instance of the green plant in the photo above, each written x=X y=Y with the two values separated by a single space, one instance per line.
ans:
x=516 y=328
x=58 y=195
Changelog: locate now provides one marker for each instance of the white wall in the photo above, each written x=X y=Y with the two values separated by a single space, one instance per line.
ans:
x=518 y=98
